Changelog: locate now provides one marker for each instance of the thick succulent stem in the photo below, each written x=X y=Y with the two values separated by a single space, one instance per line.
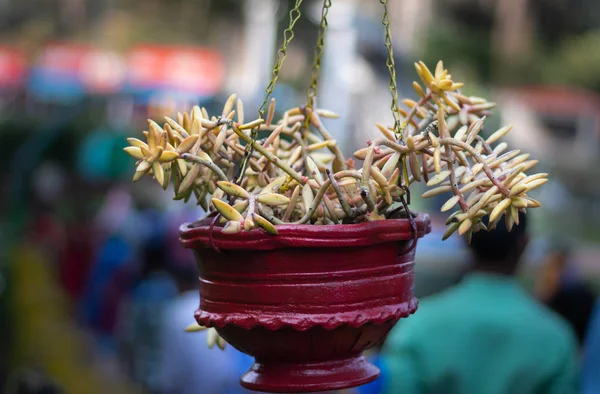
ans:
x=365 y=190
x=212 y=166
x=342 y=199
x=453 y=183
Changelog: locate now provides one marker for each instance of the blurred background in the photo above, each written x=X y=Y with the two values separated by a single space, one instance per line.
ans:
x=87 y=261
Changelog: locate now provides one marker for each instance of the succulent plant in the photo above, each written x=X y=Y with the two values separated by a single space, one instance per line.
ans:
x=266 y=172
x=296 y=173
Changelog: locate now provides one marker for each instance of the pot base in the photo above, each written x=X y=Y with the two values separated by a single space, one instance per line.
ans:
x=277 y=377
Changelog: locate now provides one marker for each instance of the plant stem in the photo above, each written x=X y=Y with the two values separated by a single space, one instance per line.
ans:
x=212 y=166
x=486 y=147
x=453 y=184
x=445 y=141
x=414 y=109
x=330 y=209
x=478 y=158
x=273 y=159
x=365 y=190
x=333 y=148
x=292 y=204
x=340 y=194
x=318 y=197
x=251 y=205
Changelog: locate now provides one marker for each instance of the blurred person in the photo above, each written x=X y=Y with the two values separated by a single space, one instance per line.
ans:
x=485 y=335
x=187 y=365
x=561 y=287
x=590 y=373
x=77 y=257
x=119 y=229
x=141 y=316
x=112 y=258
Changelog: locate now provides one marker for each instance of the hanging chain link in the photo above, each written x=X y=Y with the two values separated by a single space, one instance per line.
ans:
x=391 y=65
x=398 y=127
x=288 y=36
x=316 y=68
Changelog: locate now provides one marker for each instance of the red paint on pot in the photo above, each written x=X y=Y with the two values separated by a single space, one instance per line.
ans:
x=307 y=302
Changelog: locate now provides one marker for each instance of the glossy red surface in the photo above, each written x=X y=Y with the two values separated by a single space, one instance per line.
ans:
x=307 y=302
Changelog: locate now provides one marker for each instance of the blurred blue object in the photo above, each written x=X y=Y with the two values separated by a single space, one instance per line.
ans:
x=375 y=387
x=591 y=355
x=112 y=256
x=50 y=85
x=188 y=366
x=101 y=158
x=94 y=158
x=142 y=327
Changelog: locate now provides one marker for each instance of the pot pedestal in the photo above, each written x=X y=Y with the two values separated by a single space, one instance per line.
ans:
x=307 y=302
x=277 y=377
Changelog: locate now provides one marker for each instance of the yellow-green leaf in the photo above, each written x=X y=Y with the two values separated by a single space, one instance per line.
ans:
x=227 y=211
x=134 y=152
x=449 y=204
x=168 y=156
x=159 y=173
x=465 y=226
x=189 y=178
x=272 y=199
x=450 y=230
x=439 y=178
x=194 y=327
x=499 y=209
x=265 y=224
x=188 y=143
x=436 y=191
x=232 y=189
x=498 y=134
x=307 y=196
x=144 y=166
x=137 y=143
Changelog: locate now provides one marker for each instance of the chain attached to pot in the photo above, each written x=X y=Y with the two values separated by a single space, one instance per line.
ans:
x=398 y=126
x=288 y=36
x=311 y=93
x=393 y=87
x=391 y=65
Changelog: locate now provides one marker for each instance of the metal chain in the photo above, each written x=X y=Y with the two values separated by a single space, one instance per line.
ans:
x=391 y=65
x=316 y=68
x=288 y=35
x=398 y=127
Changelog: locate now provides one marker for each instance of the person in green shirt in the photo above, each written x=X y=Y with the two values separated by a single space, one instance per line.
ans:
x=485 y=335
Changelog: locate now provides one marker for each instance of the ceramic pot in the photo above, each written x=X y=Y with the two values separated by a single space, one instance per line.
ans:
x=307 y=302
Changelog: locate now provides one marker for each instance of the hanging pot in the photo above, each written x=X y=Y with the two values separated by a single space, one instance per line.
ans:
x=307 y=302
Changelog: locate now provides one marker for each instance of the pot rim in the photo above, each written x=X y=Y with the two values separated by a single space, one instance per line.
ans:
x=198 y=235
x=303 y=321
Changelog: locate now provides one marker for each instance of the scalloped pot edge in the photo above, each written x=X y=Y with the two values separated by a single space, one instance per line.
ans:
x=303 y=322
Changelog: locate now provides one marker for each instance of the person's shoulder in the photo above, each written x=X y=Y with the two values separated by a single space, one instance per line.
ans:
x=431 y=312
x=551 y=326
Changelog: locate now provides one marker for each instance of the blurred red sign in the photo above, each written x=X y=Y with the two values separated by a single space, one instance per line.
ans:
x=103 y=71
x=98 y=70
x=13 y=67
x=185 y=69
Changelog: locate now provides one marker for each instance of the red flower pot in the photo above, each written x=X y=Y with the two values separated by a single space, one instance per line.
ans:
x=307 y=302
